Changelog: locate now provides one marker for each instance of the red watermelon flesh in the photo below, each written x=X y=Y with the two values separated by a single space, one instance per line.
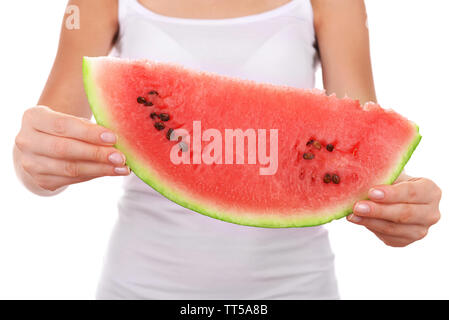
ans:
x=330 y=151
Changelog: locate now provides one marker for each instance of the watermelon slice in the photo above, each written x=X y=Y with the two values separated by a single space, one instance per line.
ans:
x=244 y=152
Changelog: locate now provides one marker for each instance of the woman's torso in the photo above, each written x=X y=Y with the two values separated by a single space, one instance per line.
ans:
x=161 y=250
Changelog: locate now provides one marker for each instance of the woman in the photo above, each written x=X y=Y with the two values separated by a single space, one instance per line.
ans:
x=158 y=249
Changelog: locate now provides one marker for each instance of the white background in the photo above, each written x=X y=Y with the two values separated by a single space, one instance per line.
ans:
x=53 y=247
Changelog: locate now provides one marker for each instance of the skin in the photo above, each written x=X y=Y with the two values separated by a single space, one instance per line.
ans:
x=399 y=214
x=58 y=146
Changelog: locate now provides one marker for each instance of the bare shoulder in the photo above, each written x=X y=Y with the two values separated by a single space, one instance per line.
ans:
x=332 y=10
x=97 y=11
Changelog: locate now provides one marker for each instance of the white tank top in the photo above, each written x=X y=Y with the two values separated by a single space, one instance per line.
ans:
x=160 y=250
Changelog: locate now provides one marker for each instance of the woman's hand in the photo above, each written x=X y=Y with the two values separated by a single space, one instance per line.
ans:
x=401 y=213
x=54 y=150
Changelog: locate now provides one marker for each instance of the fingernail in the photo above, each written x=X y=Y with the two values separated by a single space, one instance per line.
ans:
x=362 y=208
x=108 y=137
x=354 y=218
x=376 y=194
x=122 y=170
x=116 y=158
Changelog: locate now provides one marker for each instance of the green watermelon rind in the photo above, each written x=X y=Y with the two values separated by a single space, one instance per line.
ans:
x=406 y=157
x=266 y=221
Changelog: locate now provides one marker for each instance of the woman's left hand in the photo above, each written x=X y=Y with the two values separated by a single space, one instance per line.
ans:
x=401 y=213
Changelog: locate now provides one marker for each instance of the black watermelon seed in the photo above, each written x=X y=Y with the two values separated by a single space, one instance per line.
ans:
x=164 y=116
x=153 y=115
x=330 y=147
x=141 y=100
x=148 y=104
x=169 y=133
x=153 y=92
x=309 y=142
x=159 y=126
x=335 y=179
x=308 y=156
x=327 y=178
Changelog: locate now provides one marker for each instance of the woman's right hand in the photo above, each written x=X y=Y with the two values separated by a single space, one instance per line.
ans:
x=55 y=150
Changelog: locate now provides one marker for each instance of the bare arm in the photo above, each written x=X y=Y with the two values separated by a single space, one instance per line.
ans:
x=57 y=145
x=64 y=91
x=343 y=43
x=397 y=214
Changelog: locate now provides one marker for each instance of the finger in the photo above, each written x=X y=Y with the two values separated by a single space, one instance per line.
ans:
x=64 y=148
x=418 y=190
x=76 y=169
x=65 y=125
x=403 y=213
x=407 y=231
